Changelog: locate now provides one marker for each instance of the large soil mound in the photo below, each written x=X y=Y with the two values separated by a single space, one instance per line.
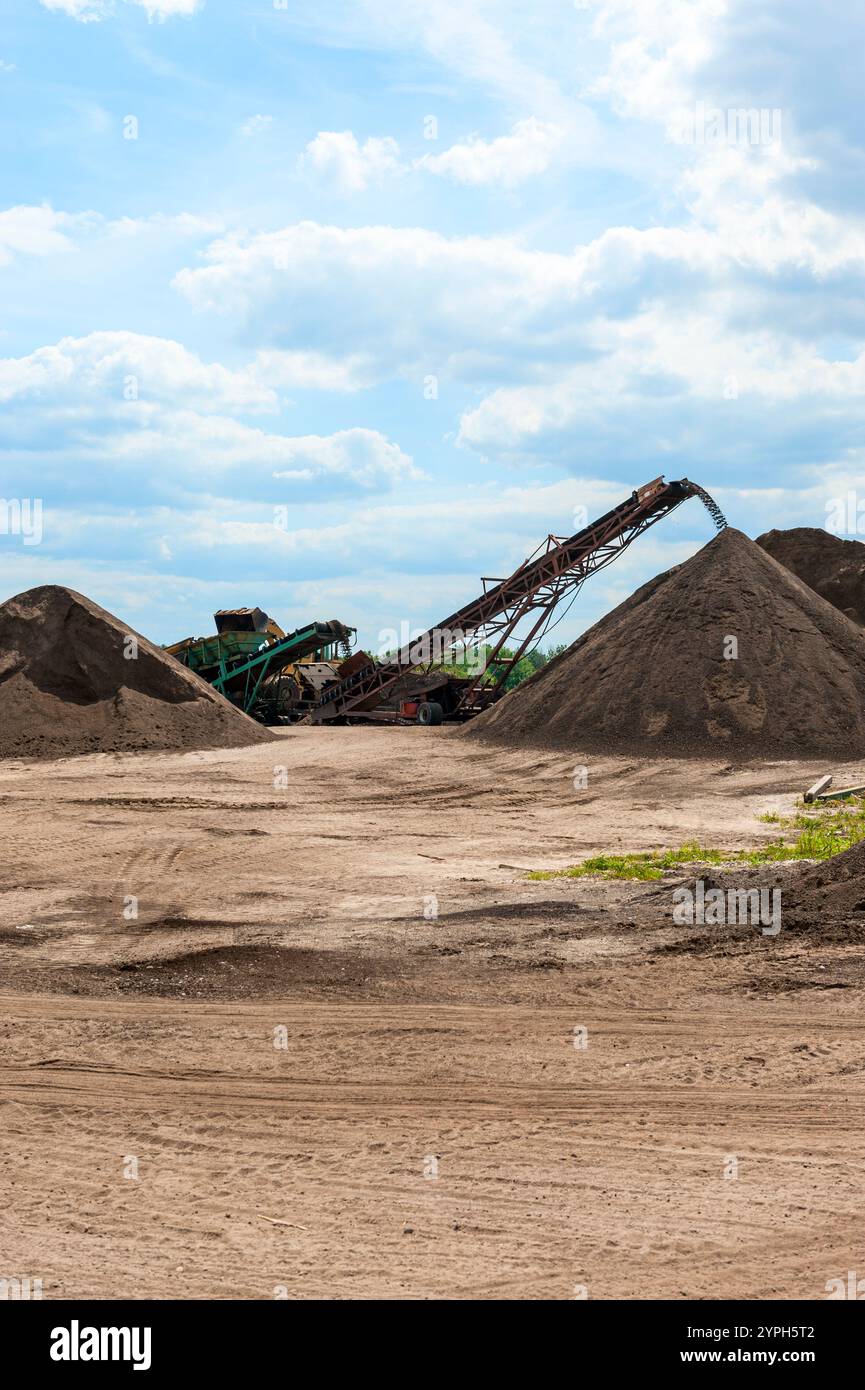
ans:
x=835 y=568
x=66 y=686
x=651 y=677
x=833 y=889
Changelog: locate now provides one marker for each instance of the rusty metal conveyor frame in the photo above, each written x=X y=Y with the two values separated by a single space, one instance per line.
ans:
x=558 y=569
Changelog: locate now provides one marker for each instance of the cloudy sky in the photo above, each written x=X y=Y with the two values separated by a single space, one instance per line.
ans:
x=335 y=307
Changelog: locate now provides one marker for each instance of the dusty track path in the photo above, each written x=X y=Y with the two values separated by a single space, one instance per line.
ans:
x=549 y=1175
x=412 y=1046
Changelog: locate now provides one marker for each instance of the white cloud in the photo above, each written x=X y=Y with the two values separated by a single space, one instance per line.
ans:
x=91 y=11
x=255 y=125
x=672 y=383
x=314 y=371
x=185 y=225
x=119 y=366
x=34 y=230
x=38 y=231
x=507 y=160
x=736 y=195
x=362 y=455
x=339 y=159
x=194 y=449
x=656 y=49
x=404 y=298
x=505 y=48
x=165 y=9
x=411 y=301
x=87 y=11
x=120 y=400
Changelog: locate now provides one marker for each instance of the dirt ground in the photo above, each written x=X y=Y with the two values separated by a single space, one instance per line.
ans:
x=290 y=1020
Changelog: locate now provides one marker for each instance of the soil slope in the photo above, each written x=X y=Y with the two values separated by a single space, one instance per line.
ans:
x=67 y=686
x=833 y=889
x=835 y=568
x=654 y=675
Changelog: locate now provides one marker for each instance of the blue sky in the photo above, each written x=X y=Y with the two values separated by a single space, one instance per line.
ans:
x=419 y=282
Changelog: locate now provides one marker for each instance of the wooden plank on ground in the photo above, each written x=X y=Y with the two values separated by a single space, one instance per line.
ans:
x=841 y=793
x=819 y=786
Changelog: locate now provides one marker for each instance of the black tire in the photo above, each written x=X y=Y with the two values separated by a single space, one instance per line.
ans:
x=430 y=714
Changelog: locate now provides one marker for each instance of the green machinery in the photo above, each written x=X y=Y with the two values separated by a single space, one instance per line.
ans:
x=274 y=676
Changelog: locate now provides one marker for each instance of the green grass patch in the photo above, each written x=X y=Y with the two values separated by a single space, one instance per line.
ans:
x=817 y=832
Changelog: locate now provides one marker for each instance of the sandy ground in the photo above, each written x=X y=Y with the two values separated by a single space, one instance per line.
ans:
x=217 y=974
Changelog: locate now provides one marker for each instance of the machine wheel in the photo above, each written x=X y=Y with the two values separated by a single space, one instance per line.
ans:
x=430 y=714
